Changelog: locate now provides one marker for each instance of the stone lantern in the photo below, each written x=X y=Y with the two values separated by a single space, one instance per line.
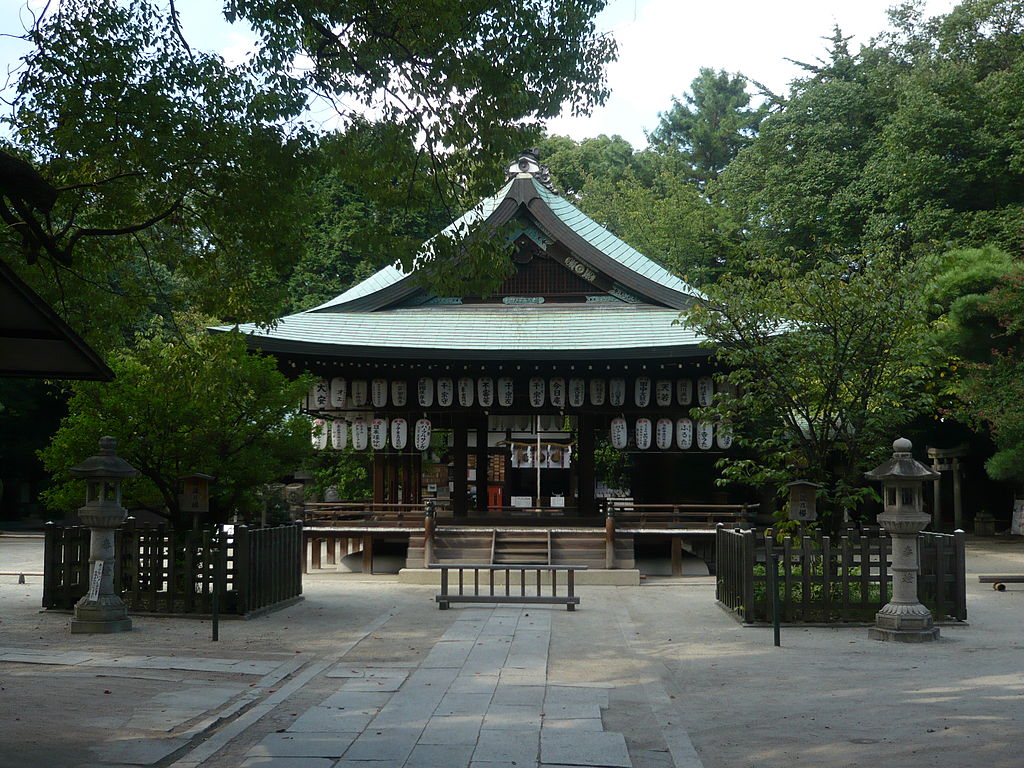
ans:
x=100 y=610
x=903 y=619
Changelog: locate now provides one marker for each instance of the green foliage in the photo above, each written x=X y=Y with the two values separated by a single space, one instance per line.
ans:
x=825 y=364
x=180 y=406
x=710 y=125
x=817 y=591
x=347 y=470
x=611 y=466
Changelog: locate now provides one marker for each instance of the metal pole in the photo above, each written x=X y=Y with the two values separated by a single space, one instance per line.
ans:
x=217 y=579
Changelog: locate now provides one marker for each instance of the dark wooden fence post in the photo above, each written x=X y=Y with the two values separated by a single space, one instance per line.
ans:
x=243 y=584
x=747 y=560
x=51 y=562
x=960 y=574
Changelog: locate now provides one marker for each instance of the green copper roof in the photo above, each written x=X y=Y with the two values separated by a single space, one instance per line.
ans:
x=495 y=331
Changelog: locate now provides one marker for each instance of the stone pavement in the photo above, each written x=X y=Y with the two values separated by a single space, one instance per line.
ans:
x=367 y=672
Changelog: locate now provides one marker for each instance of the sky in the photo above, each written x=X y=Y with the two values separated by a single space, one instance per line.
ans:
x=662 y=46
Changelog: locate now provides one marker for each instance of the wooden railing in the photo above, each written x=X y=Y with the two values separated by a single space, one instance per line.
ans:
x=844 y=578
x=161 y=570
x=570 y=600
x=630 y=514
x=363 y=512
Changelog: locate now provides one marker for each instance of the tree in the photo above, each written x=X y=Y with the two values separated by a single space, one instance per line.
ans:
x=202 y=404
x=710 y=125
x=825 y=364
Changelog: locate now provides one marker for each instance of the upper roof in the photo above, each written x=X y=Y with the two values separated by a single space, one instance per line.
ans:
x=632 y=313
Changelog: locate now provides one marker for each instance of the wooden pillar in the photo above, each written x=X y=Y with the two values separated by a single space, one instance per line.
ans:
x=506 y=487
x=367 y=553
x=677 y=556
x=482 y=464
x=587 y=475
x=379 y=487
x=459 y=465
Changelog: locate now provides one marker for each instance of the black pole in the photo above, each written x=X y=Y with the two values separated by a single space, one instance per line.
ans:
x=772 y=567
x=218 y=574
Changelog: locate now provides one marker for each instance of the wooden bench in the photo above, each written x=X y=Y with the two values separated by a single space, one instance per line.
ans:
x=490 y=595
x=999 y=582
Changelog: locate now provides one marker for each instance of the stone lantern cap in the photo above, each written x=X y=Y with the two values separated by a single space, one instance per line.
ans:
x=902 y=466
x=104 y=465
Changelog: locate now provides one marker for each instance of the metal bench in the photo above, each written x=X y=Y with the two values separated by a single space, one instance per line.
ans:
x=490 y=595
x=999 y=582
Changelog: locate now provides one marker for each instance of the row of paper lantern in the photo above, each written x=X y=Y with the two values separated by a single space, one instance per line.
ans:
x=339 y=393
x=376 y=433
x=665 y=432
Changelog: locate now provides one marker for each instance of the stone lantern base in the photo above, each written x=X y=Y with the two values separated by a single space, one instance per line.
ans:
x=106 y=615
x=904 y=624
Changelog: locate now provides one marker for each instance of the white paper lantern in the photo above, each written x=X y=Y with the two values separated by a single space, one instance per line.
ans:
x=485 y=391
x=705 y=390
x=465 y=387
x=339 y=433
x=425 y=391
x=319 y=435
x=642 y=391
x=399 y=434
x=379 y=433
x=536 y=390
x=643 y=434
x=705 y=435
x=421 y=436
x=506 y=391
x=359 y=392
x=723 y=438
x=577 y=392
x=663 y=434
x=320 y=396
x=399 y=392
x=379 y=392
x=552 y=423
x=684 y=434
x=339 y=392
x=617 y=392
x=663 y=392
x=619 y=433
x=445 y=392
x=360 y=434
x=597 y=391
x=684 y=391
x=556 y=392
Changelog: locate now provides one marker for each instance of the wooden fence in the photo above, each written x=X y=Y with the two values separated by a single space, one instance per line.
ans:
x=835 y=579
x=160 y=570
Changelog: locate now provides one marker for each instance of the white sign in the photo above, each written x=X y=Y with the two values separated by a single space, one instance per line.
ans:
x=95 y=579
x=521 y=501
x=320 y=396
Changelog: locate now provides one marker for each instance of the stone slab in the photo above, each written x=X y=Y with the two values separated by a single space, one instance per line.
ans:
x=592 y=748
x=388 y=744
x=303 y=745
x=137 y=751
x=453 y=729
x=437 y=756
x=508 y=746
x=287 y=762
x=463 y=704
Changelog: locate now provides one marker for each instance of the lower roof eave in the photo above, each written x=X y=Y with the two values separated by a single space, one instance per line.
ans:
x=361 y=353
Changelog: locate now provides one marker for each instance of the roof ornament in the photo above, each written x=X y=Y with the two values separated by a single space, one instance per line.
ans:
x=529 y=164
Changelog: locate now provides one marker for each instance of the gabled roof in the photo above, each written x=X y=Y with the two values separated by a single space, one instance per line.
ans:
x=633 y=313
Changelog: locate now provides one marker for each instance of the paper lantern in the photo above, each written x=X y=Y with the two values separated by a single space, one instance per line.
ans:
x=684 y=434
x=506 y=391
x=421 y=435
x=642 y=391
x=597 y=391
x=399 y=434
x=617 y=392
x=319 y=434
x=663 y=392
x=485 y=391
x=536 y=390
x=619 y=433
x=445 y=392
x=320 y=396
x=398 y=393
x=339 y=434
x=379 y=433
x=465 y=387
x=723 y=438
x=643 y=434
x=705 y=435
x=556 y=392
x=684 y=391
x=359 y=392
x=339 y=392
x=663 y=434
x=425 y=392
x=379 y=392
x=360 y=434
x=705 y=390
x=577 y=392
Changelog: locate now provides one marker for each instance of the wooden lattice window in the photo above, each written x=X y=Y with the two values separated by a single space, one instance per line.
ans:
x=544 y=277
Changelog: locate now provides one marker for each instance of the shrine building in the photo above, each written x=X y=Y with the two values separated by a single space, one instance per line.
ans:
x=496 y=408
